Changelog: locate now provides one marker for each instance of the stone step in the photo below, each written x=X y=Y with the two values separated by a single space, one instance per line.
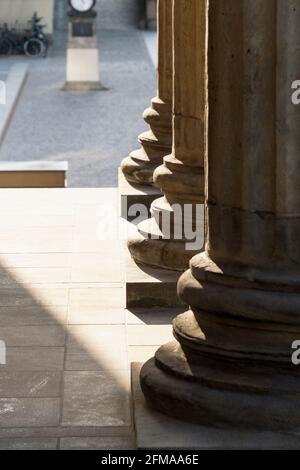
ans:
x=131 y=194
x=35 y=174
x=147 y=286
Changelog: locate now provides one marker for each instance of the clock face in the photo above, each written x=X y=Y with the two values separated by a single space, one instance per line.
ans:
x=82 y=5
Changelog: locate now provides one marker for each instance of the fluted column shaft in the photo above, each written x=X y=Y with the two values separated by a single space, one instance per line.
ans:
x=181 y=177
x=232 y=361
x=157 y=142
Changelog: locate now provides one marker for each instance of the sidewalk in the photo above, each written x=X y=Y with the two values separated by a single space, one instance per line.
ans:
x=93 y=131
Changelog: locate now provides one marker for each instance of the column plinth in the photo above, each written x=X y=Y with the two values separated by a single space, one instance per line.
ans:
x=139 y=167
x=181 y=176
x=231 y=363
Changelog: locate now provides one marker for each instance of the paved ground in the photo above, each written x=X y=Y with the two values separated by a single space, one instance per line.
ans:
x=93 y=131
x=69 y=339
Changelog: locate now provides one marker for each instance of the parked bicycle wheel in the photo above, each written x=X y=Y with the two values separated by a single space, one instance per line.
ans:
x=6 y=46
x=34 y=47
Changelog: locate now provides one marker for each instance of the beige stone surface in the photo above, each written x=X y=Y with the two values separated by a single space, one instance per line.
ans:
x=97 y=443
x=29 y=444
x=96 y=399
x=82 y=65
x=26 y=412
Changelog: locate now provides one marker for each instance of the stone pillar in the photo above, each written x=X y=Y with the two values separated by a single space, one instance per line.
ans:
x=181 y=177
x=231 y=363
x=157 y=142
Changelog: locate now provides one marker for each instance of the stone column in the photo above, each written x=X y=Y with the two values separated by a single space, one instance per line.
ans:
x=157 y=142
x=231 y=363
x=181 y=177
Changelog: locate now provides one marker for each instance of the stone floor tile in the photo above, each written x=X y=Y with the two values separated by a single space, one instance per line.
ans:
x=141 y=353
x=24 y=276
x=51 y=335
x=27 y=412
x=33 y=296
x=29 y=384
x=96 y=267
x=36 y=220
x=96 y=347
x=94 y=299
x=96 y=399
x=34 y=358
x=36 y=240
x=26 y=316
x=29 y=444
x=35 y=260
x=148 y=335
x=97 y=443
x=96 y=317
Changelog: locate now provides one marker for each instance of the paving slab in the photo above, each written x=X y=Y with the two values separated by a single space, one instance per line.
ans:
x=29 y=444
x=33 y=296
x=98 y=443
x=27 y=412
x=96 y=399
x=101 y=316
x=30 y=384
x=148 y=335
x=59 y=431
x=96 y=347
x=93 y=299
x=33 y=315
x=35 y=358
x=33 y=336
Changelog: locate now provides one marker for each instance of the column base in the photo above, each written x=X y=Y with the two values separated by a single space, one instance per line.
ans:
x=139 y=170
x=232 y=361
x=83 y=86
x=160 y=253
x=139 y=167
x=160 y=241
x=155 y=430
x=217 y=393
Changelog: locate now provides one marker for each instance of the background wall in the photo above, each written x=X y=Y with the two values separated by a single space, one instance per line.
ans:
x=22 y=11
x=119 y=13
x=112 y=14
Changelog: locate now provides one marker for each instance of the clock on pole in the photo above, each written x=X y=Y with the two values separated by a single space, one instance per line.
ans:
x=82 y=52
x=82 y=6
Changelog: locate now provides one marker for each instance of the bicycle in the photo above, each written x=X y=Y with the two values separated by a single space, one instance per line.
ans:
x=33 y=43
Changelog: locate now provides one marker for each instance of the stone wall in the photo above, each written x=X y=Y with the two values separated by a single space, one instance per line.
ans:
x=112 y=14
x=119 y=13
x=22 y=11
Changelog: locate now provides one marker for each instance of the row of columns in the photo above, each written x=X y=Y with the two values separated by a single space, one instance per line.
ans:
x=235 y=123
x=177 y=169
x=139 y=167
